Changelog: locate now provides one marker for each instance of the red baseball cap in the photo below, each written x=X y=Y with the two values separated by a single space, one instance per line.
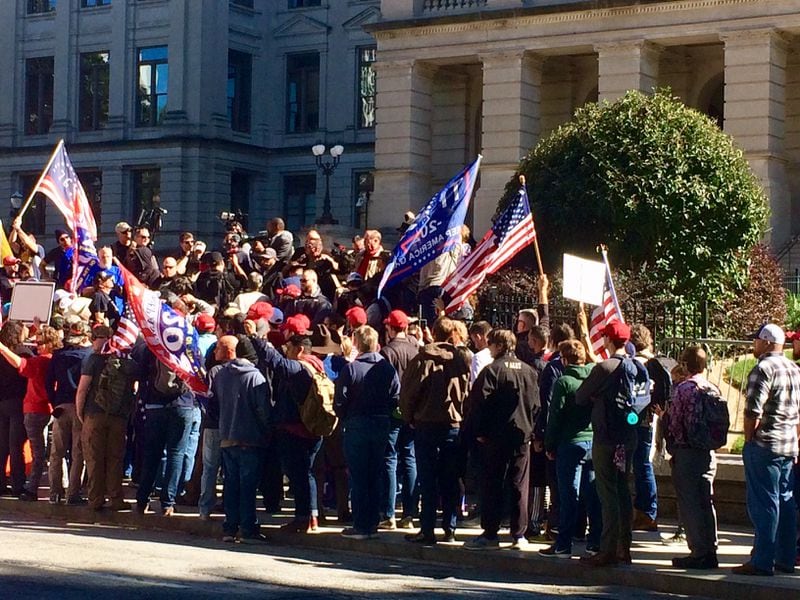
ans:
x=617 y=331
x=260 y=310
x=10 y=261
x=397 y=319
x=205 y=323
x=290 y=290
x=297 y=324
x=356 y=316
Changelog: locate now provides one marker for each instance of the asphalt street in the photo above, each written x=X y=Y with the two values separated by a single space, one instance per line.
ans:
x=46 y=559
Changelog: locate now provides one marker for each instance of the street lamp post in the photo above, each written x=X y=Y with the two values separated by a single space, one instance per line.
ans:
x=16 y=203
x=327 y=169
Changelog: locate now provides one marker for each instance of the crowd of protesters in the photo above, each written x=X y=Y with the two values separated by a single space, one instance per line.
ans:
x=430 y=406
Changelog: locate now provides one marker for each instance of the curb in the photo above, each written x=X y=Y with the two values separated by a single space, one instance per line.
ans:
x=718 y=584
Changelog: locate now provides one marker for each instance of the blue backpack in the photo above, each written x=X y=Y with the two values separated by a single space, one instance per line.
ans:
x=629 y=395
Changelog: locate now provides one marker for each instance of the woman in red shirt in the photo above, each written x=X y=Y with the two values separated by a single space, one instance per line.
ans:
x=35 y=404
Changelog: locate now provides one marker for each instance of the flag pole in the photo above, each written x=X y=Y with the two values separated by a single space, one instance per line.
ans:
x=536 y=238
x=603 y=249
x=44 y=171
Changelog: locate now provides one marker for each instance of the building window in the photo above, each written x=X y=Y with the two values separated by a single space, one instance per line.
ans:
x=240 y=195
x=91 y=3
x=299 y=200
x=38 y=95
x=240 y=66
x=37 y=7
x=146 y=192
x=364 y=185
x=94 y=91
x=366 y=87
x=302 y=92
x=152 y=87
x=33 y=221
x=92 y=182
x=304 y=3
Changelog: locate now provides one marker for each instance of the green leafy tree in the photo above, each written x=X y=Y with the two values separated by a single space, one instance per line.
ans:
x=658 y=183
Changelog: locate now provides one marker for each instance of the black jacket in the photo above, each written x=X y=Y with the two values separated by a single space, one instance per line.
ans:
x=502 y=402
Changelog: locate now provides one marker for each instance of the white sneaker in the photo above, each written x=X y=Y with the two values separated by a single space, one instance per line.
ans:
x=389 y=524
x=520 y=543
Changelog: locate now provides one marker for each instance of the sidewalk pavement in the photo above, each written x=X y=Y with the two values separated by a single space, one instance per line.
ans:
x=652 y=568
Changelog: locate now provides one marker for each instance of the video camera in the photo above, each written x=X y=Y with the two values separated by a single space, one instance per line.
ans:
x=234 y=221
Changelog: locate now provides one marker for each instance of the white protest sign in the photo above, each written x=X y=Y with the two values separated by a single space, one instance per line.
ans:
x=583 y=279
x=31 y=300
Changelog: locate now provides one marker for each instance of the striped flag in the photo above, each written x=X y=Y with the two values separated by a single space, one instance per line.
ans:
x=60 y=183
x=606 y=313
x=125 y=336
x=512 y=231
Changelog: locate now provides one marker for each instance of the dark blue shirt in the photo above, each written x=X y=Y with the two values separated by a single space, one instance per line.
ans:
x=64 y=373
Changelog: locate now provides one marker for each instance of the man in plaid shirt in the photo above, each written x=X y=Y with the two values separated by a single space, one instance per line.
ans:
x=770 y=450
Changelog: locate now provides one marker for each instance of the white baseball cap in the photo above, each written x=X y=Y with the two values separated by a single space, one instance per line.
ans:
x=771 y=333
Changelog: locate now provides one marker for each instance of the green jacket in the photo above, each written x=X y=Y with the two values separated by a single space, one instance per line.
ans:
x=566 y=421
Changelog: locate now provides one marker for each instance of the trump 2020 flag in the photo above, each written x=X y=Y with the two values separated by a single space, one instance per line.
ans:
x=60 y=183
x=608 y=312
x=435 y=230
x=85 y=264
x=170 y=337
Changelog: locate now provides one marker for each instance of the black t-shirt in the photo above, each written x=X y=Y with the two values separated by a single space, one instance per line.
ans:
x=6 y=287
x=102 y=303
x=92 y=366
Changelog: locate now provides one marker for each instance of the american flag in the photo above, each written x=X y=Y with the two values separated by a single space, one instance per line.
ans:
x=606 y=313
x=125 y=336
x=60 y=183
x=512 y=231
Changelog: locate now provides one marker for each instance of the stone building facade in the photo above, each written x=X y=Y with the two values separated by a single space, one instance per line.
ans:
x=458 y=77
x=207 y=105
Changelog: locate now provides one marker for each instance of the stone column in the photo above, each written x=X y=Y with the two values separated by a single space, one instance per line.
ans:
x=65 y=63
x=115 y=186
x=122 y=61
x=627 y=66
x=511 y=114
x=12 y=65
x=402 y=141
x=755 y=113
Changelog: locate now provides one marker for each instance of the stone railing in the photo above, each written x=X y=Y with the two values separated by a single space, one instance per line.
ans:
x=442 y=6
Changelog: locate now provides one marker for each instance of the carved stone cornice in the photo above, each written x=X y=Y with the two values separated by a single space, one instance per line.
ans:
x=518 y=19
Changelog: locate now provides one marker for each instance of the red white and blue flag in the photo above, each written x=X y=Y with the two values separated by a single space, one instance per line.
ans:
x=436 y=229
x=124 y=338
x=511 y=232
x=168 y=334
x=60 y=183
x=608 y=312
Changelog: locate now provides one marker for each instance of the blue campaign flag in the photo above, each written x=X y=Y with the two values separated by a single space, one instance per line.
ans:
x=435 y=230
x=85 y=265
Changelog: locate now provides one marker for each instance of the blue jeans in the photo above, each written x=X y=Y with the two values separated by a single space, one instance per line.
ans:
x=438 y=456
x=644 y=479
x=297 y=458
x=211 y=462
x=407 y=472
x=575 y=475
x=769 y=479
x=365 y=440
x=36 y=428
x=242 y=474
x=389 y=474
x=166 y=429
x=191 y=450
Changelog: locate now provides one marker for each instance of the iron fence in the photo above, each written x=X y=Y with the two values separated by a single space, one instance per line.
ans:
x=663 y=319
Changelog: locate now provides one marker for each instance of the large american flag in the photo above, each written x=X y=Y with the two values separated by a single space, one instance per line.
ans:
x=606 y=313
x=60 y=183
x=512 y=231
